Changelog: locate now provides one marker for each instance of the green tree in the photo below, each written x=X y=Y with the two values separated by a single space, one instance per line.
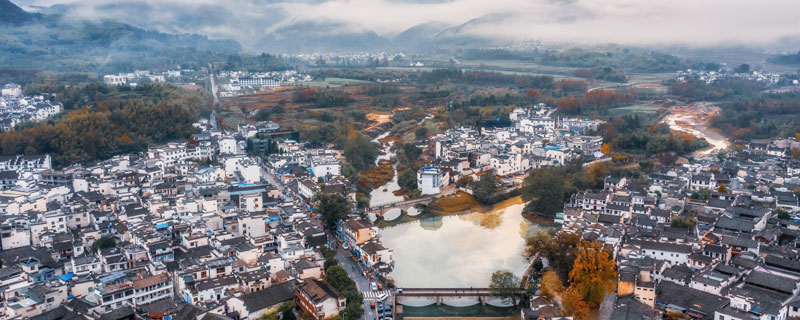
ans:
x=332 y=207
x=485 y=189
x=421 y=133
x=408 y=179
x=742 y=68
x=544 y=189
x=359 y=150
x=262 y=114
x=559 y=249
x=337 y=277
x=104 y=242
x=505 y=285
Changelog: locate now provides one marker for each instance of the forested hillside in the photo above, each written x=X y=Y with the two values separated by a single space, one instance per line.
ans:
x=120 y=120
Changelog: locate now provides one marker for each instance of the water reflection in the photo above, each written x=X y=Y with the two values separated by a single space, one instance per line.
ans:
x=392 y=214
x=459 y=251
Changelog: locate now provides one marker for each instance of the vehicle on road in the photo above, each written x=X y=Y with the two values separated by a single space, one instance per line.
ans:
x=380 y=286
x=372 y=304
x=374 y=286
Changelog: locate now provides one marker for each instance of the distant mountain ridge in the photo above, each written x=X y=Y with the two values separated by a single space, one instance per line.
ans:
x=53 y=42
x=275 y=32
x=12 y=14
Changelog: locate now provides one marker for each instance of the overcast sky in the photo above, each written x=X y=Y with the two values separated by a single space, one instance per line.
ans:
x=634 y=22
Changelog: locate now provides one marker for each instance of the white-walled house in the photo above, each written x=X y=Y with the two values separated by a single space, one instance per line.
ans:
x=431 y=180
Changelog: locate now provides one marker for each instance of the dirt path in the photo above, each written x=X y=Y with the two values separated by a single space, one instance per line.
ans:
x=694 y=119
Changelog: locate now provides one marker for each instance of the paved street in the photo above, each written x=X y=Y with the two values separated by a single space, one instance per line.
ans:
x=362 y=283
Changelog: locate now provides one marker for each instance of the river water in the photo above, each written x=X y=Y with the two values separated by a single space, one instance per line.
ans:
x=459 y=251
x=693 y=119
x=384 y=194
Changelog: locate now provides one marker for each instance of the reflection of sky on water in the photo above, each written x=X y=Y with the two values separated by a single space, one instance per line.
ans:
x=462 y=252
x=392 y=214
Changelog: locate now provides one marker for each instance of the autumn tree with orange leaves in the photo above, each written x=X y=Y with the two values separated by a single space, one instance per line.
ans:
x=594 y=273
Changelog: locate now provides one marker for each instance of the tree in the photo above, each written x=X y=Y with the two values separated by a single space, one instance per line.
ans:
x=742 y=68
x=560 y=250
x=408 y=179
x=605 y=148
x=573 y=305
x=593 y=273
x=544 y=189
x=551 y=284
x=104 y=242
x=332 y=207
x=359 y=150
x=421 y=133
x=337 y=277
x=681 y=222
x=485 y=189
x=464 y=181
x=262 y=114
x=722 y=188
x=505 y=285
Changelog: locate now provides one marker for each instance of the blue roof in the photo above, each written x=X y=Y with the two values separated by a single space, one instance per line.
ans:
x=67 y=276
x=112 y=277
x=552 y=148
x=162 y=226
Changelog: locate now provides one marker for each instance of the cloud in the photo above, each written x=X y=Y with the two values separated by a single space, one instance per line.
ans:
x=633 y=22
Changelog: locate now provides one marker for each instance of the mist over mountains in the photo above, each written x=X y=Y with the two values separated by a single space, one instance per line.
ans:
x=67 y=43
x=279 y=26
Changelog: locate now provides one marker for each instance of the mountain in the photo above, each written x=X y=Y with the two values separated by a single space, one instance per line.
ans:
x=322 y=36
x=62 y=43
x=11 y=14
x=420 y=35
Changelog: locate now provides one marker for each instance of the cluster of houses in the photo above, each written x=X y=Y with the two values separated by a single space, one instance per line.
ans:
x=724 y=71
x=142 y=76
x=530 y=140
x=194 y=230
x=16 y=108
x=240 y=81
x=712 y=239
x=346 y=58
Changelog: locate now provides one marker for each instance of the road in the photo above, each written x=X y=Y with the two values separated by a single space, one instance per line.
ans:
x=362 y=283
x=213 y=83
x=607 y=306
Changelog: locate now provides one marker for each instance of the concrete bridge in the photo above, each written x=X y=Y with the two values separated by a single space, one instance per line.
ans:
x=440 y=295
x=401 y=204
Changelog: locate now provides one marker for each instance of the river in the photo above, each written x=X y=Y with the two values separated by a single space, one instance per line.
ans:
x=459 y=251
x=694 y=119
x=379 y=196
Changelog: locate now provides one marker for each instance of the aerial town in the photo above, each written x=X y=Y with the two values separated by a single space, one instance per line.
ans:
x=410 y=160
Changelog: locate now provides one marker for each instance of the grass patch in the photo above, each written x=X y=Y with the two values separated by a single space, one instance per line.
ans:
x=379 y=175
x=456 y=203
